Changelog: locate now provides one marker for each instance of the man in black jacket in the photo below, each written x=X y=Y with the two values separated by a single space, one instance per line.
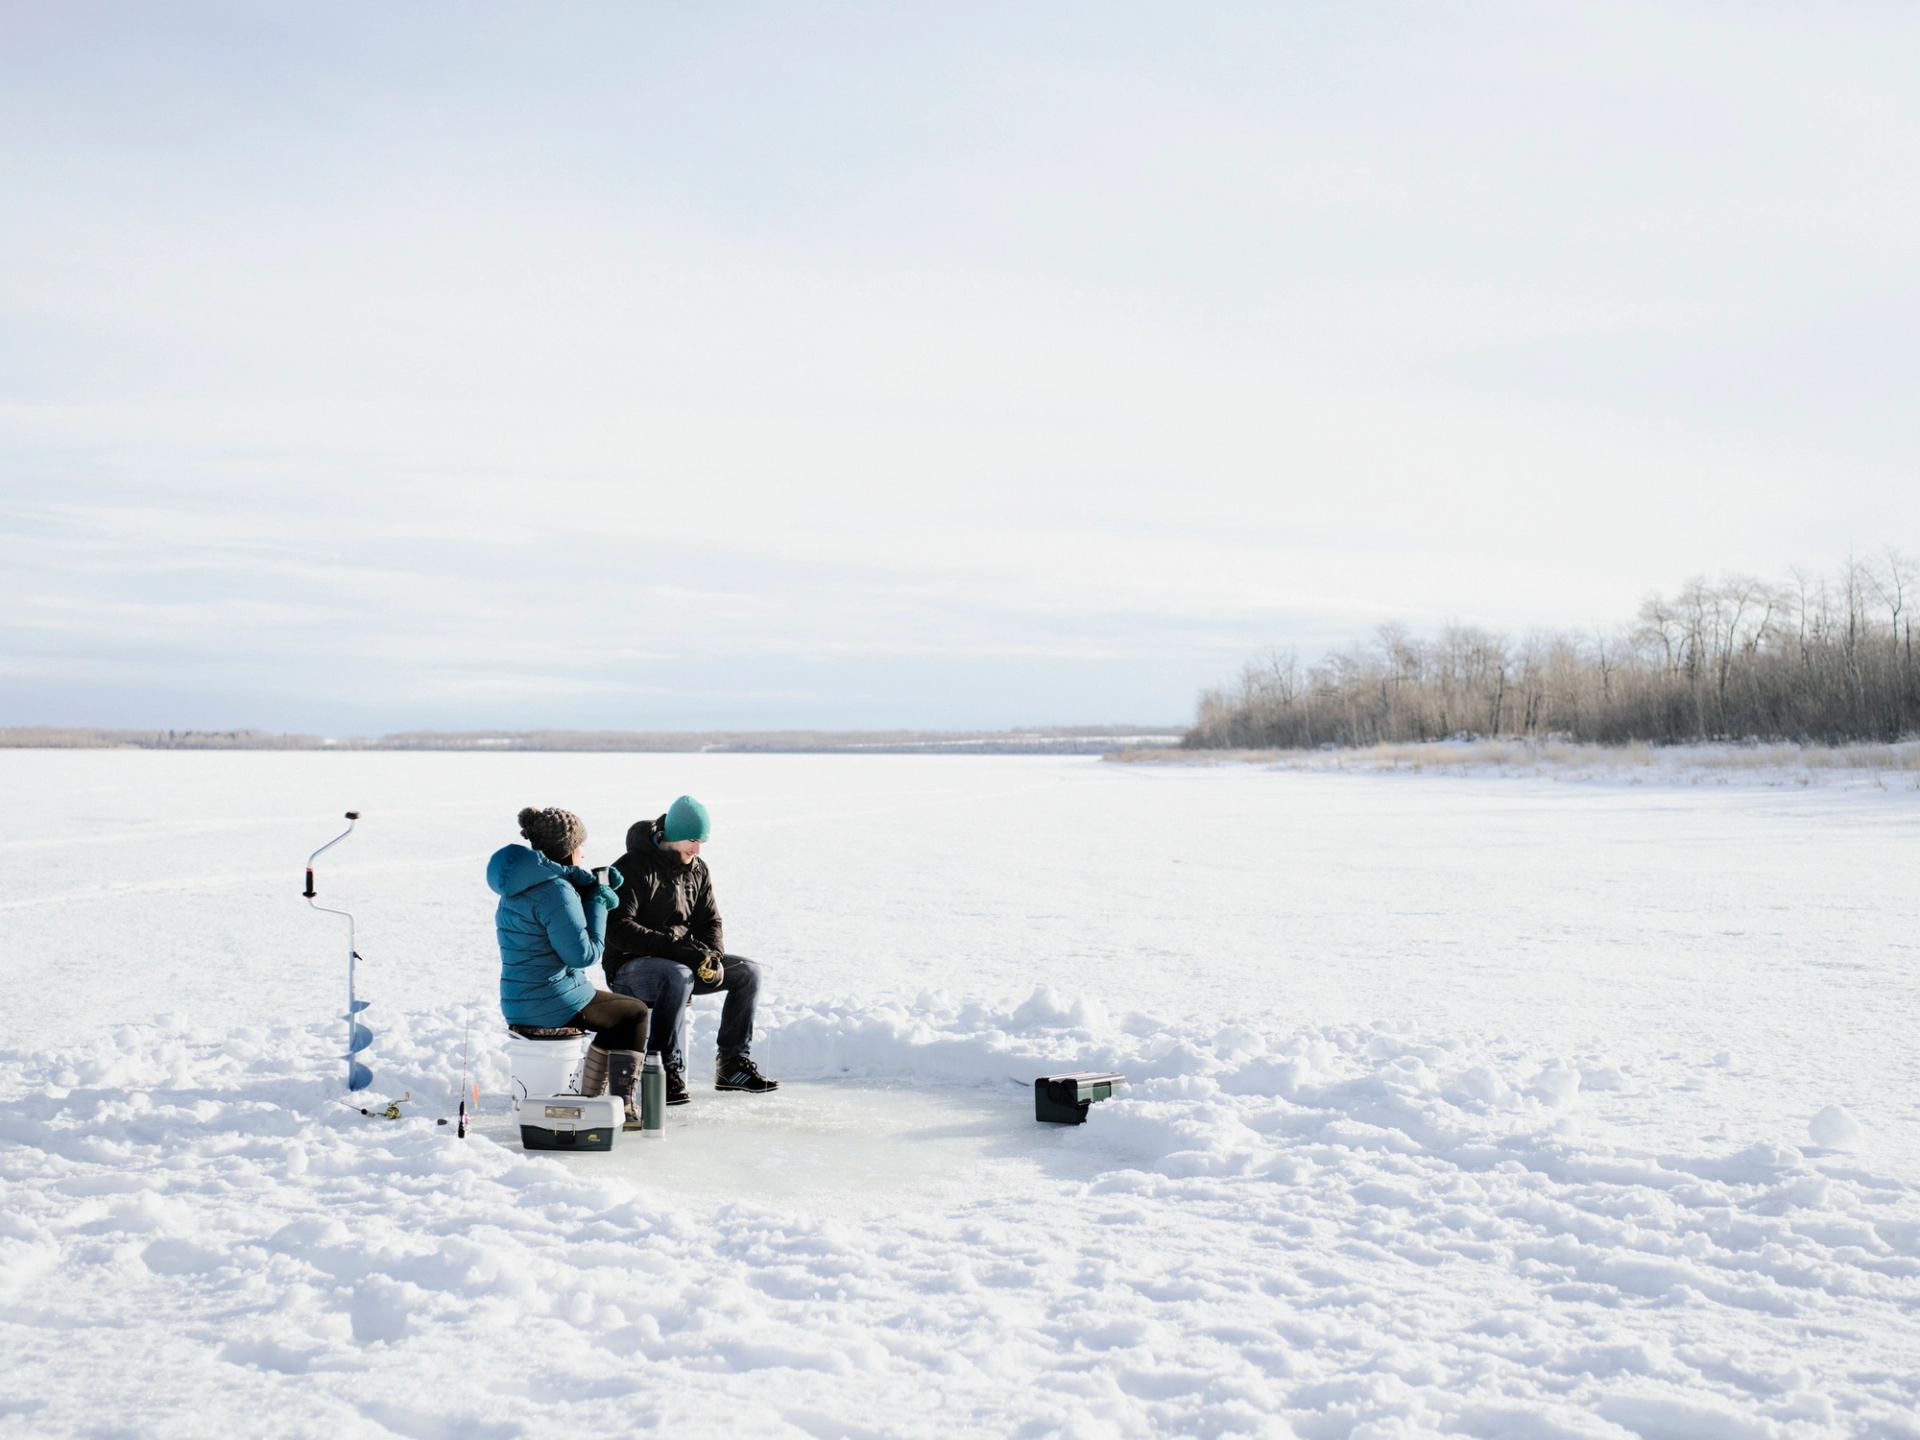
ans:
x=664 y=946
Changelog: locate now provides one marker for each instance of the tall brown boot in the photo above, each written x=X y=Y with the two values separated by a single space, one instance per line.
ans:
x=593 y=1074
x=623 y=1077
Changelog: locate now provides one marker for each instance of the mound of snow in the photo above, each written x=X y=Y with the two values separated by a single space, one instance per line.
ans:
x=1835 y=1129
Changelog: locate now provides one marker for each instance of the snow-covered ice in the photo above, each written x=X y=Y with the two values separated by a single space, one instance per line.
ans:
x=1486 y=1107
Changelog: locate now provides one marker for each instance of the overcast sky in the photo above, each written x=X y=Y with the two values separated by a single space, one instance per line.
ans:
x=367 y=365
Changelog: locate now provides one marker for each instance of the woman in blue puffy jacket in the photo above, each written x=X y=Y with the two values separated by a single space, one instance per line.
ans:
x=552 y=923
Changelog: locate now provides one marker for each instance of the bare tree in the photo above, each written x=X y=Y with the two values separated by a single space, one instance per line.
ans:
x=1729 y=658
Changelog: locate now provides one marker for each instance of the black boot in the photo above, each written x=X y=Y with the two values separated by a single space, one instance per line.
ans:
x=737 y=1072
x=677 y=1086
x=623 y=1074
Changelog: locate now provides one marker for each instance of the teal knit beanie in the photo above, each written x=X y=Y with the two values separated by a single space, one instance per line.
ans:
x=687 y=820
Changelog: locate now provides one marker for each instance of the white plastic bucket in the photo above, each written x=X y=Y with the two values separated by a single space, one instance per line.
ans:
x=543 y=1067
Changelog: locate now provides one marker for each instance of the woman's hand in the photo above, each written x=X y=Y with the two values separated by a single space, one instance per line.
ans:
x=585 y=881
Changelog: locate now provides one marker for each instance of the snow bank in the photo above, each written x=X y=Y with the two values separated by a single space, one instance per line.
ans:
x=1318 y=1230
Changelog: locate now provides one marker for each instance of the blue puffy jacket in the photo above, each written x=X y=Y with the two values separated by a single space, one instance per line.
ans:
x=547 y=936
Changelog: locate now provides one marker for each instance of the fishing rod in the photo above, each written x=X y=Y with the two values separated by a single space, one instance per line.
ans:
x=467 y=1086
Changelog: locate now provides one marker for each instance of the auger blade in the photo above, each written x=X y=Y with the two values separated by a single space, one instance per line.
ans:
x=359 y=1077
x=359 y=1037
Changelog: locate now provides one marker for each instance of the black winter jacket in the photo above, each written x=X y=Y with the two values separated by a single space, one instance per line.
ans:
x=666 y=908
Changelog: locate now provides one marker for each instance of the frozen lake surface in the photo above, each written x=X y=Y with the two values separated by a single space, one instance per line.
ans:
x=1459 y=1105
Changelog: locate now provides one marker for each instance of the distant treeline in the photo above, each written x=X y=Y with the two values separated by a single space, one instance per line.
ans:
x=1055 y=740
x=75 y=737
x=1817 y=658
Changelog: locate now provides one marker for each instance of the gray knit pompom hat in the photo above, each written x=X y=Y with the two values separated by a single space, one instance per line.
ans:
x=554 y=832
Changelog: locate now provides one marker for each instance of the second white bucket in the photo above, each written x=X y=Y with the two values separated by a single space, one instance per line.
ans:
x=543 y=1067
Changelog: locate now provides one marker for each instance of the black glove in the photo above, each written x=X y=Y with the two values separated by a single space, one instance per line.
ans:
x=704 y=962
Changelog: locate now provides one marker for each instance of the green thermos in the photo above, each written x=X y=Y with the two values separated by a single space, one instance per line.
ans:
x=653 y=1098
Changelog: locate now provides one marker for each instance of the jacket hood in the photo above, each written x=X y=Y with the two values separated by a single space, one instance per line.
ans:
x=644 y=835
x=517 y=868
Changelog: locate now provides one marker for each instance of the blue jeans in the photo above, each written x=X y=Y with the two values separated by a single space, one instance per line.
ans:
x=667 y=986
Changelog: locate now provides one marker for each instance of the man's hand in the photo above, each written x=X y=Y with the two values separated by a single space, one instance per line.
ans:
x=687 y=951
x=701 y=959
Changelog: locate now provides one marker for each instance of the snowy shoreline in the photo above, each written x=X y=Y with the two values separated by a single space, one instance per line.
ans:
x=1889 y=766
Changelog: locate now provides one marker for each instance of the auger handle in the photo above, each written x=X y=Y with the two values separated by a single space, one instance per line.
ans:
x=310 y=892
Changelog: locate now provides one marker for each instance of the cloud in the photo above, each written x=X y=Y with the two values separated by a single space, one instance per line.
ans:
x=610 y=342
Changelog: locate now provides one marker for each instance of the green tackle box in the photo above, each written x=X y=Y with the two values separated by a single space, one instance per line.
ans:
x=570 y=1122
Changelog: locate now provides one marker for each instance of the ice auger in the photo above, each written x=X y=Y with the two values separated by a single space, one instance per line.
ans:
x=359 y=1037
